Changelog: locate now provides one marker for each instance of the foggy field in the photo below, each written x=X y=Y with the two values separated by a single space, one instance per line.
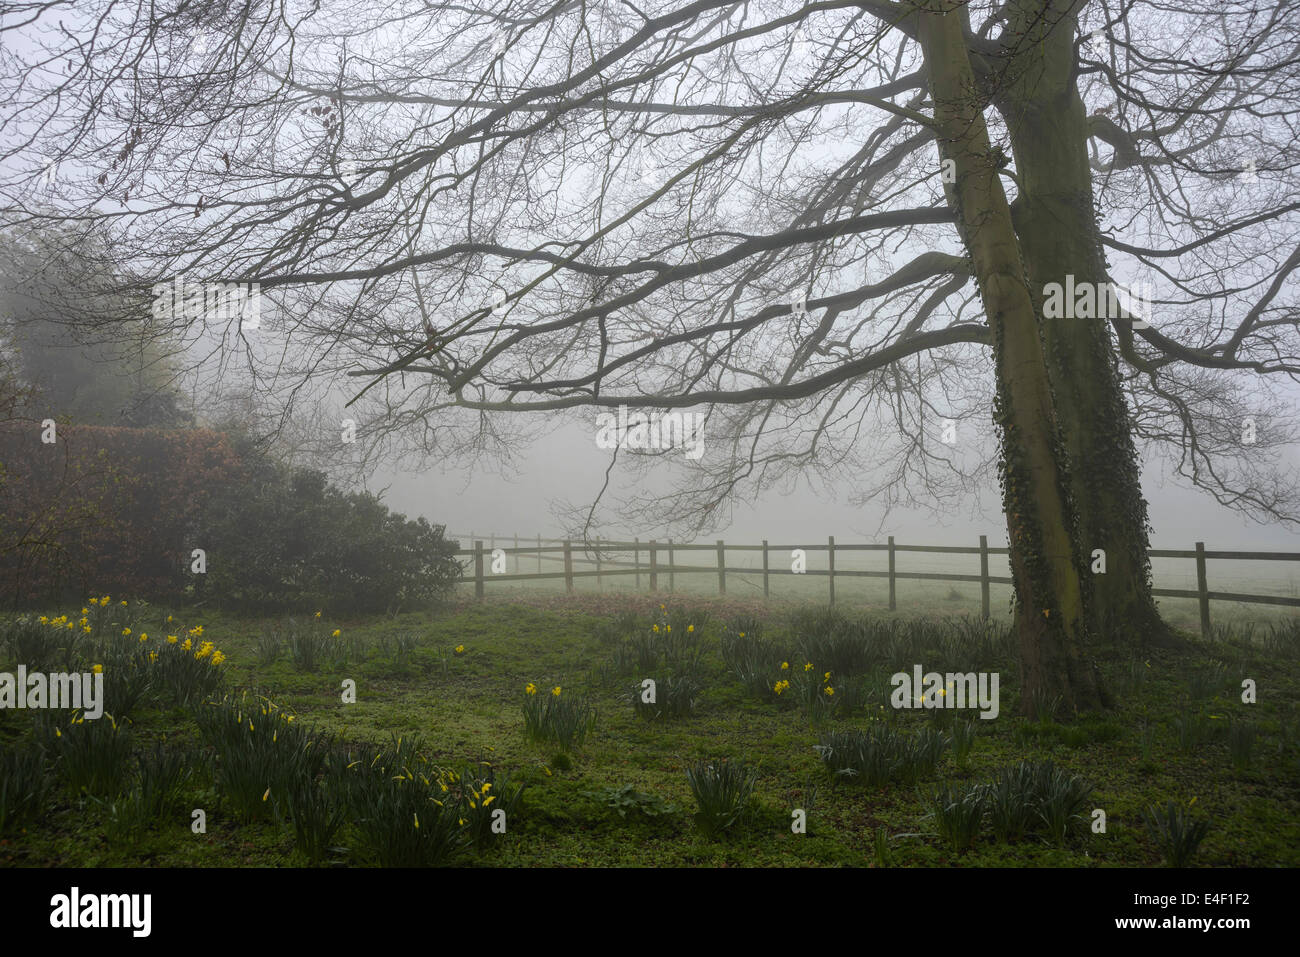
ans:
x=920 y=597
x=622 y=797
x=672 y=434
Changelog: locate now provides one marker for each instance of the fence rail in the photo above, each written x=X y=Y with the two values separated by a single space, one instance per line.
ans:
x=602 y=550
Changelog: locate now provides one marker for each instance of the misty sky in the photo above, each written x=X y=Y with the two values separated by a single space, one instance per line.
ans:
x=566 y=465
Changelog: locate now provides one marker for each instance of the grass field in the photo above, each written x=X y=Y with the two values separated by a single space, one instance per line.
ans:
x=1178 y=732
x=914 y=596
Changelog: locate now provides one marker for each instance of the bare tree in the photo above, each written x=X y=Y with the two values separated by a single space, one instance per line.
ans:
x=492 y=213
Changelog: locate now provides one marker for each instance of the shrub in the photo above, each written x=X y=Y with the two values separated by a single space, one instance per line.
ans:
x=1009 y=801
x=1191 y=729
x=403 y=819
x=963 y=741
x=553 y=717
x=1176 y=832
x=29 y=642
x=316 y=812
x=1241 y=742
x=752 y=660
x=1036 y=797
x=481 y=792
x=841 y=646
x=262 y=755
x=722 y=792
x=881 y=754
x=957 y=811
x=1061 y=801
x=24 y=786
x=117 y=511
x=309 y=643
x=161 y=776
x=189 y=667
x=399 y=648
x=880 y=847
x=675 y=696
x=346 y=551
x=93 y=755
x=270 y=643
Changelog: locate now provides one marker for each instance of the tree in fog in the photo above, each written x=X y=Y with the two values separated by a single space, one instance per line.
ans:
x=828 y=226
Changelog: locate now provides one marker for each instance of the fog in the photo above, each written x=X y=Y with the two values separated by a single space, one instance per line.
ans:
x=567 y=467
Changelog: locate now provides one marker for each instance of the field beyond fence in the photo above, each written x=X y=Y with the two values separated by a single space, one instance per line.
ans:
x=858 y=573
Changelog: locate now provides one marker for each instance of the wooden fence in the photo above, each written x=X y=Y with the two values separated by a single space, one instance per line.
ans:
x=654 y=567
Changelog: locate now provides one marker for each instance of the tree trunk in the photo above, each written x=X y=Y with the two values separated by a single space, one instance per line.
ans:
x=1052 y=624
x=1057 y=226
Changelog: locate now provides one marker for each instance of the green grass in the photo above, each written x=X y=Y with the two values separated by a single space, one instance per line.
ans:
x=467 y=709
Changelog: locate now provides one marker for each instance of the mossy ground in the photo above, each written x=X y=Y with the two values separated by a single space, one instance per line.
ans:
x=467 y=707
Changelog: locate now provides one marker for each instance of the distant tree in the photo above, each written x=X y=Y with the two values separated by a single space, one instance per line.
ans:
x=75 y=343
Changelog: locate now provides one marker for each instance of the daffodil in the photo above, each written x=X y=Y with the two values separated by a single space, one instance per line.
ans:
x=808 y=666
x=171 y=639
x=785 y=666
x=556 y=691
x=460 y=649
x=689 y=629
x=98 y=669
x=336 y=633
x=530 y=688
x=830 y=691
x=125 y=632
x=317 y=614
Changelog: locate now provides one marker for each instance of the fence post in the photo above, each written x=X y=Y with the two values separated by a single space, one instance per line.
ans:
x=516 y=553
x=766 y=593
x=478 y=570
x=722 y=568
x=654 y=566
x=568 y=567
x=984 y=575
x=1203 y=589
x=671 y=563
x=830 y=557
x=893 y=603
x=539 y=553
x=599 y=585
x=636 y=560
